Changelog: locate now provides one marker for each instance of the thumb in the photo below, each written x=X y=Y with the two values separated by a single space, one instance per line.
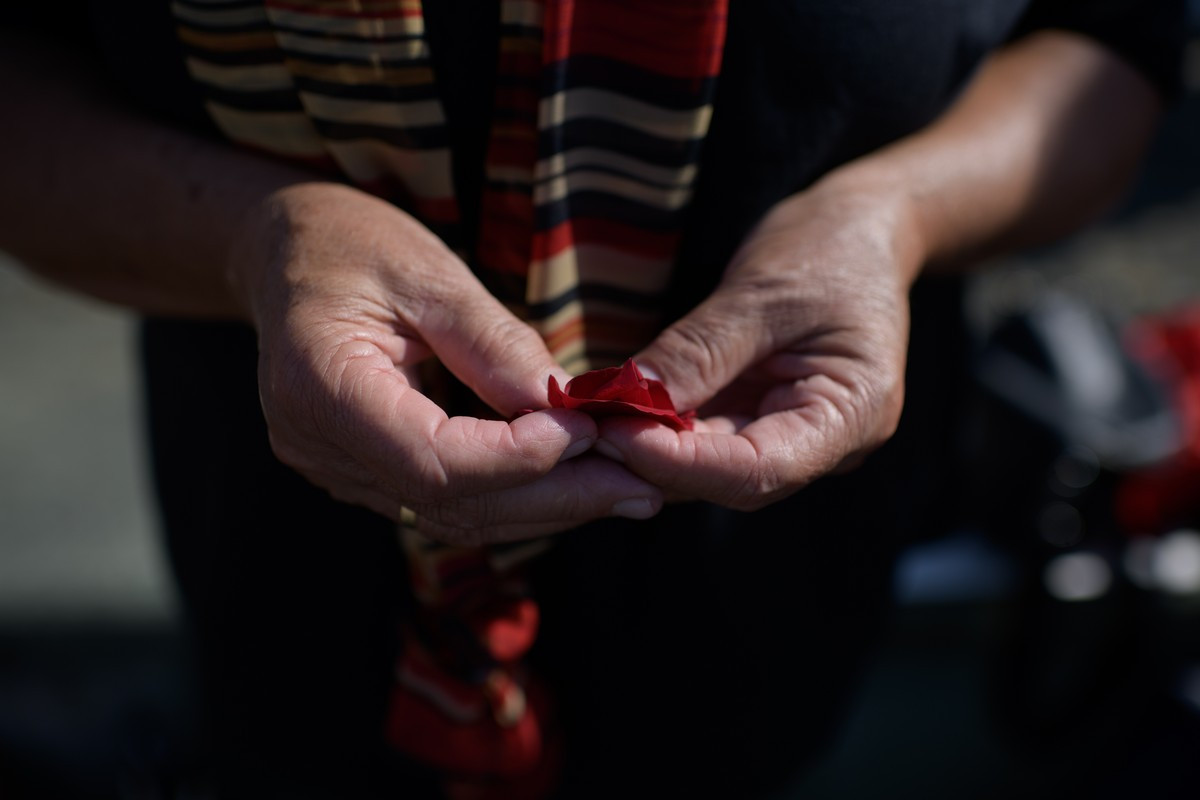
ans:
x=704 y=351
x=502 y=359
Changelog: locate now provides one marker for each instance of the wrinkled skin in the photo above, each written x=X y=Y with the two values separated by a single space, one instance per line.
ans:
x=795 y=362
x=349 y=295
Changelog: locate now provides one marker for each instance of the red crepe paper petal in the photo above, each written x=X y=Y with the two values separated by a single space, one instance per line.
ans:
x=619 y=391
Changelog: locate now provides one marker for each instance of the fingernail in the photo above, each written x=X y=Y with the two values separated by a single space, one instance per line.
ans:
x=607 y=450
x=650 y=372
x=634 y=508
x=575 y=448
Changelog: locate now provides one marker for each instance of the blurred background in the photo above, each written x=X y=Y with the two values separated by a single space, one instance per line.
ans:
x=1043 y=649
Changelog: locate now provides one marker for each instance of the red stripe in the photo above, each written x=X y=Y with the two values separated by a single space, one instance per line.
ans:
x=518 y=98
x=508 y=258
x=520 y=64
x=690 y=63
x=682 y=40
x=513 y=153
x=504 y=231
x=509 y=208
x=506 y=223
x=608 y=331
x=569 y=331
x=585 y=230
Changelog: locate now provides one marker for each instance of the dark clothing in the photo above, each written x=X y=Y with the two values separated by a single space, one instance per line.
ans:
x=710 y=650
x=713 y=648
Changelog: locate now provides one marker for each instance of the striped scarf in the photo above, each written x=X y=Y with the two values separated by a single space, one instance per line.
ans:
x=600 y=110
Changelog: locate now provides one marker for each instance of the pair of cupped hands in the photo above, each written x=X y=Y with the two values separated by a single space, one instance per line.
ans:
x=795 y=365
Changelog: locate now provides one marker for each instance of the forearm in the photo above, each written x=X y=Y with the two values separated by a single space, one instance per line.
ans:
x=116 y=205
x=1046 y=138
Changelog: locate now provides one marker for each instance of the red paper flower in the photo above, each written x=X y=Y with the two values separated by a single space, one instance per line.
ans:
x=619 y=391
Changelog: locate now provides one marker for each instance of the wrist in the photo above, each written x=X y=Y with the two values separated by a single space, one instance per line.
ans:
x=261 y=267
x=878 y=205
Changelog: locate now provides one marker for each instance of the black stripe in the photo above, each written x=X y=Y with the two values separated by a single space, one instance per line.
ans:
x=595 y=292
x=218 y=28
x=511 y=289
x=425 y=138
x=588 y=166
x=228 y=5
x=318 y=58
x=592 y=203
x=504 y=286
x=509 y=186
x=582 y=71
x=368 y=91
x=608 y=135
x=517 y=115
x=348 y=37
x=516 y=30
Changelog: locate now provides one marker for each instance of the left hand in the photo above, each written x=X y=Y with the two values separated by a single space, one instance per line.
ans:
x=796 y=361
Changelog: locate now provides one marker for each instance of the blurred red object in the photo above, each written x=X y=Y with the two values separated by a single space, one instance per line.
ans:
x=1167 y=495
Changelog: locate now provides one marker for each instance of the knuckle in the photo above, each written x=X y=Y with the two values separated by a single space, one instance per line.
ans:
x=431 y=482
x=697 y=346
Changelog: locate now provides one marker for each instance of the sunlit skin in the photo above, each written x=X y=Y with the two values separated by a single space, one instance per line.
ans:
x=795 y=362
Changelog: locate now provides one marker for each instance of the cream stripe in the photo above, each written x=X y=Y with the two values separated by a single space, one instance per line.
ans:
x=520 y=12
x=369 y=112
x=573 y=361
x=598 y=264
x=572 y=310
x=426 y=173
x=596 y=157
x=551 y=277
x=628 y=188
x=285 y=133
x=355 y=26
x=227 y=17
x=260 y=77
x=572 y=350
x=373 y=52
x=597 y=103
x=638 y=325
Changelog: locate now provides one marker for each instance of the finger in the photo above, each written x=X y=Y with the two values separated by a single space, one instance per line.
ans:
x=765 y=461
x=502 y=359
x=721 y=468
x=354 y=400
x=573 y=493
x=704 y=351
x=396 y=431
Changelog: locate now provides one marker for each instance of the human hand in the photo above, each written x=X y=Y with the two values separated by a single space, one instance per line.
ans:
x=795 y=362
x=348 y=295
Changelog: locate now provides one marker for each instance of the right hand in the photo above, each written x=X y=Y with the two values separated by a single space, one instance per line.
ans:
x=349 y=294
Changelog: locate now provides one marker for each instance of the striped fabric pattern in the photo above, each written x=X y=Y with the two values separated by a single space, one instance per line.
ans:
x=344 y=86
x=600 y=111
x=592 y=168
